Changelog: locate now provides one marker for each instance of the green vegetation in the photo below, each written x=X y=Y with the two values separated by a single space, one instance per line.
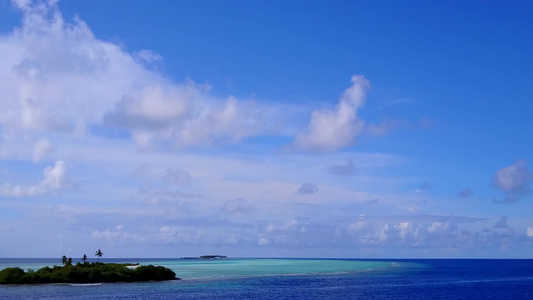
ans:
x=86 y=273
x=213 y=257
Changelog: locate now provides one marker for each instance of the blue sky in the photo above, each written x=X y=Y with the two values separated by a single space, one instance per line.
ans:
x=266 y=128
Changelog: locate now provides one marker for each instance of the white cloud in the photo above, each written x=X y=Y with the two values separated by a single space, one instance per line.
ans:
x=184 y=114
x=54 y=179
x=514 y=181
x=57 y=76
x=529 y=231
x=404 y=229
x=513 y=177
x=330 y=130
x=230 y=122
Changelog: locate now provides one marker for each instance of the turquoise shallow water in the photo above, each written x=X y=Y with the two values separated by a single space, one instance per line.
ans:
x=189 y=269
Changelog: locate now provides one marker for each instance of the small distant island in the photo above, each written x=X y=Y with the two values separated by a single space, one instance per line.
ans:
x=86 y=272
x=206 y=257
x=213 y=257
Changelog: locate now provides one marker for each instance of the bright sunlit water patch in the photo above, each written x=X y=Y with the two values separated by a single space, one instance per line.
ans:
x=189 y=269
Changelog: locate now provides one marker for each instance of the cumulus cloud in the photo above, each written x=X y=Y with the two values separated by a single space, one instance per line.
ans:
x=55 y=75
x=230 y=122
x=466 y=193
x=344 y=169
x=412 y=231
x=330 y=130
x=514 y=181
x=307 y=189
x=54 y=179
x=185 y=115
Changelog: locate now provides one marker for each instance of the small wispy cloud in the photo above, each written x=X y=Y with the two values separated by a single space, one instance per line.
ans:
x=176 y=176
x=149 y=56
x=307 y=189
x=384 y=127
x=466 y=193
x=343 y=169
x=501 y=223
x=426 y=185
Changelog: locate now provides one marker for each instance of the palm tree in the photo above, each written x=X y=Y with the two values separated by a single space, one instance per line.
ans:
x=69 y=261
x=64 y=260
x=84 y=258
x=99 y=254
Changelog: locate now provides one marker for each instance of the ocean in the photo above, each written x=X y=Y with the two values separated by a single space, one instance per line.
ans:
x=300 y=279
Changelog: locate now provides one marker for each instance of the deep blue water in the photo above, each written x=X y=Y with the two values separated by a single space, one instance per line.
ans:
x=400 y=279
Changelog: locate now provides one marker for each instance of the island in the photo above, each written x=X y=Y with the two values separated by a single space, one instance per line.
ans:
x=206 y=257
x=86 y=272
x=213 y=257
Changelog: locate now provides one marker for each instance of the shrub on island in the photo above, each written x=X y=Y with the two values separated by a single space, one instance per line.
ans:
x=87 y=273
